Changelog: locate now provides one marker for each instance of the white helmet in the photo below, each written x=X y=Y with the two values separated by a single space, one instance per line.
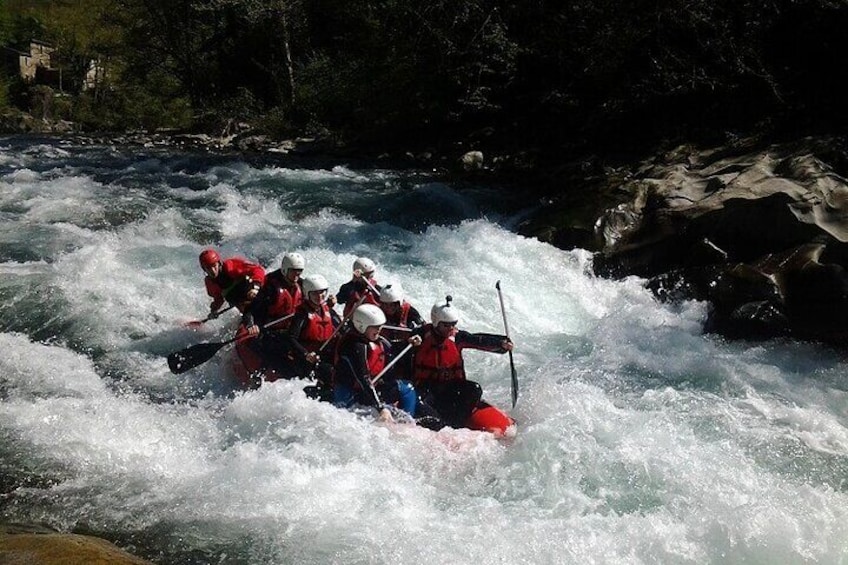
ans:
x=364 y=265
x=391 y=292
x=444 y=312
x=293 y=261
x=313 y=283
x=367 y=315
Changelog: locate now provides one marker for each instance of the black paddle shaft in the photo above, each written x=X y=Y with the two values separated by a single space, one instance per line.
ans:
x=513 y=372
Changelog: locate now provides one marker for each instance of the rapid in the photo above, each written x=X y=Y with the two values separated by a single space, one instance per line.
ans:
x=640 y=439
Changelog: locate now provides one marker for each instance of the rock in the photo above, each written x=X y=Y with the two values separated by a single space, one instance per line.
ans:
x=34 y=545
x=747 y=205
x=472 y=161
x=762 y=236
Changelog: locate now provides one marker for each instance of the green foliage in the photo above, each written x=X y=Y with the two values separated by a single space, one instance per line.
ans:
x=4 y=93
x=396 y=67
x=569 y=73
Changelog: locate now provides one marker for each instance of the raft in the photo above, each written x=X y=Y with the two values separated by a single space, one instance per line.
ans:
x=247 y=368
x=488 y=418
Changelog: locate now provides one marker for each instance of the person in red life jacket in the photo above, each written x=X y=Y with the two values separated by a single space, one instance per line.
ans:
x=362 y=284
x=234 y=280
x=438 y=368
x=398 y=311
x=361 y=355
x=400 y=314
x=313 y=324
x=279 y=297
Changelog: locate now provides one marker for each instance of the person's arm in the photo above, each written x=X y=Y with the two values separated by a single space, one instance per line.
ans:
x=255 y=311
x=295 y=329
x=257 y=273
x=248 y=320
x=493 y=343
x=215 y=292
x=343 y=295
x=355 y=363
x=414 y=319
x=238 y=269
x=394 y=348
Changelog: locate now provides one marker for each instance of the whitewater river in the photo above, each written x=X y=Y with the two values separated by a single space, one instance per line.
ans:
x=640 y=439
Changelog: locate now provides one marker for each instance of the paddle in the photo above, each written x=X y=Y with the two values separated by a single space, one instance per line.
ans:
x=372 y=288
x=390 y=365
x=396 y=328
x=190 y=357
x=343 y=322
x=198 y=323
x=511 y=361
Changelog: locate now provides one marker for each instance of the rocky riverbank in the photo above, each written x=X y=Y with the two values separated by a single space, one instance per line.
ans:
x=758 y=231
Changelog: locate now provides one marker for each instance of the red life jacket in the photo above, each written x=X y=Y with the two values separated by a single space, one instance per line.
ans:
x=353 y=300
x=437 y=359
x=378 y=351
x=318 y=327
x=285 y=301
x=400 y=321
x=376 y=357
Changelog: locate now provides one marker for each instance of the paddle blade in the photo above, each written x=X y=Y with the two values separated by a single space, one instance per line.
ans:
x=190 y=357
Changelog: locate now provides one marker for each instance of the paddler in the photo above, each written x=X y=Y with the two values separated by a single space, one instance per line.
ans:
x=235 y=280
x=362 y=355
x=312 y=327
x=362 y=284
x=278 y=299
x=438 y=368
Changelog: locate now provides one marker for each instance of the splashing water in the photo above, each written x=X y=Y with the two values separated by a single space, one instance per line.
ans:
x=640 y=440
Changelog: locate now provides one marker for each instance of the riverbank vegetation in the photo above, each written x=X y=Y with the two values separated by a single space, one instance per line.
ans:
x=536 y=79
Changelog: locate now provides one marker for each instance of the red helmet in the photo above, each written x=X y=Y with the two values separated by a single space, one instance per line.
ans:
x=209 y=258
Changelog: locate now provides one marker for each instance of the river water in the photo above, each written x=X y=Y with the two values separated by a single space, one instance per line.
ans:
x=640 y=439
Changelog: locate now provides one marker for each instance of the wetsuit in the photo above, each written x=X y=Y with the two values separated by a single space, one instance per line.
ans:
x=406 y=316
x=359 y=360
x=310 y=328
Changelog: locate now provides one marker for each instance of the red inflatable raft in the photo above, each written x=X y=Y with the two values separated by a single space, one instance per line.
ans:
x=487 y=418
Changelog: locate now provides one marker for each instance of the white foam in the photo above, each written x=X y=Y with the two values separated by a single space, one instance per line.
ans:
x=639 y=439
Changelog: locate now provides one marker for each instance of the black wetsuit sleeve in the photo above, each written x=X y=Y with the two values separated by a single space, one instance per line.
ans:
x=419 y=331
x=248 y=319
x=353 y=370
x=295 y=329
x=481 y=341
x=414 y=319
x=343 y=295
x=255 y=314
x=395 y=347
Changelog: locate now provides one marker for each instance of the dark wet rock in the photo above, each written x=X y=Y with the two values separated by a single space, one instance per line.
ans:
x=761 y=234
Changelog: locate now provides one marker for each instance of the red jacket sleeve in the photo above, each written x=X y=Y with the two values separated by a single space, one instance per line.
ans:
x=236 y=268
x=213 y=290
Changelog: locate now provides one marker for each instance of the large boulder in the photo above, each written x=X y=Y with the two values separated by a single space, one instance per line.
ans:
x=761 y=235
x=35 y=545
